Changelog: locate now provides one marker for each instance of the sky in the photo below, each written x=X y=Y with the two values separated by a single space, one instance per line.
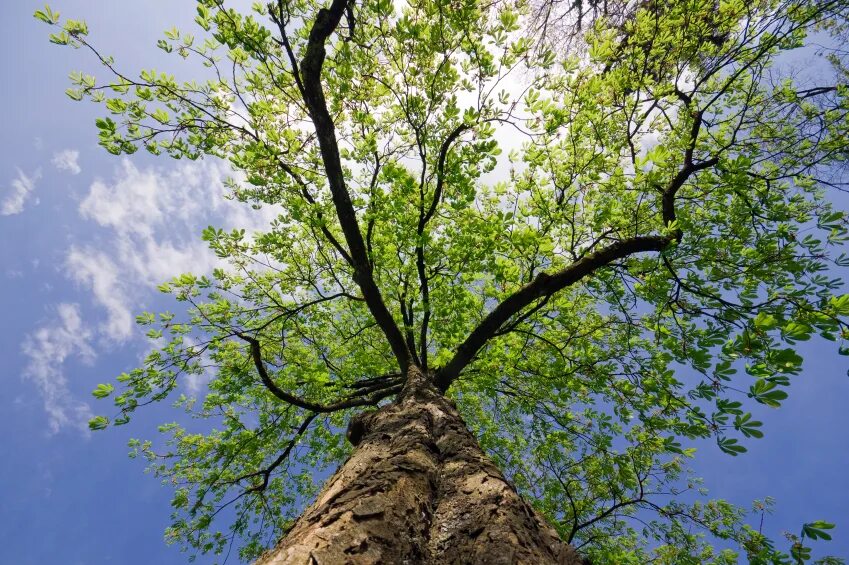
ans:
x=85 y=237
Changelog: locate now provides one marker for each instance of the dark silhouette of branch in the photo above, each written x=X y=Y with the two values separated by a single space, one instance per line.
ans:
x=325 y=24
x=543 y=285
x=266 y=473
x=357 y=399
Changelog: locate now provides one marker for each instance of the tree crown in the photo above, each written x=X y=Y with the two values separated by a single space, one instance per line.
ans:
x=600 y=255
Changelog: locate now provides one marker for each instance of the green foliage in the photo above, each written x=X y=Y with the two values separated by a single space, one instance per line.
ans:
x=475 y=159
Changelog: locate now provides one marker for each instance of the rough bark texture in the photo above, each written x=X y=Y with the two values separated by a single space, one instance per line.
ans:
x=418 y=489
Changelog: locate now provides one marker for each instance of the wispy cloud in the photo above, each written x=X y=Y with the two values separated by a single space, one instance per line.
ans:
x=153 y=218
x=47 y=349
x=146 y=227
x=19 y=192
x=67 y=160
x=102 y=275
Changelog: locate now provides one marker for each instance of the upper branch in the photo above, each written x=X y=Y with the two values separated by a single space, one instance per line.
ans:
x=325 y=24
x=690 y=167
x=440 y=172
x=424 y=218
x=542 y=286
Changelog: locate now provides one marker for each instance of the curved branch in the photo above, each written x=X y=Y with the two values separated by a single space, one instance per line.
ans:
x=424 y=218
x=440 y=171
x=542 y=286
x=690 y=167
x=350 y=402
x=266 y=473
x=325 y=24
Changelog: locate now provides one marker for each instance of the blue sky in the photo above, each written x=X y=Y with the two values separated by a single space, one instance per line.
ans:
x=85 y=239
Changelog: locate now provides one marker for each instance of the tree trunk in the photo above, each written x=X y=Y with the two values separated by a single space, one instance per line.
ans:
x=418 y=489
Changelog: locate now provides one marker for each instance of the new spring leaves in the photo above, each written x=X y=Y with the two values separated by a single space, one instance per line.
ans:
x=600 y=255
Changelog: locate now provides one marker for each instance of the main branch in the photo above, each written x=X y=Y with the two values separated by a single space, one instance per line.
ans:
x=542 y=286
x=323 y=27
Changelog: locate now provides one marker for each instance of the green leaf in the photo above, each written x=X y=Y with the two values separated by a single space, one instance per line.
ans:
x=146 y=318
x=816 y=530
x=765 y=322
x=797 y=331
x=106 y=125
x=103 y=390
x=74 y=94
x=76 y=27
x=748 y=427
x=730 y=446
x=840 y=304
x=61 y=38
x=160 y=116
x=47 y=15
x=42 y=15
x=98 y=423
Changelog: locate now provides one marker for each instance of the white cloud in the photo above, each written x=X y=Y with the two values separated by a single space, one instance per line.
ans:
x=150 y=222
x=168 y=203
x=19 y=193
x=102 y=275
x=131 y=205
x=66 y=160
x=47 y=349
x=153 y=218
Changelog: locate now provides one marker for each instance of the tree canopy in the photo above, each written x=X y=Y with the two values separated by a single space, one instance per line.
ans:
x=601 y=253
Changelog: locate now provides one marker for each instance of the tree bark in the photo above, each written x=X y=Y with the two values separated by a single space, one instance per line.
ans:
x=419 y=489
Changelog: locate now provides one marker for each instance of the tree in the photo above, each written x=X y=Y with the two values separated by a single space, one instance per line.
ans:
x=552 y=323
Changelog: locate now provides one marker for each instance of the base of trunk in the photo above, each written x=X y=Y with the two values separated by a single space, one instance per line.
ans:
x=418 y=489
